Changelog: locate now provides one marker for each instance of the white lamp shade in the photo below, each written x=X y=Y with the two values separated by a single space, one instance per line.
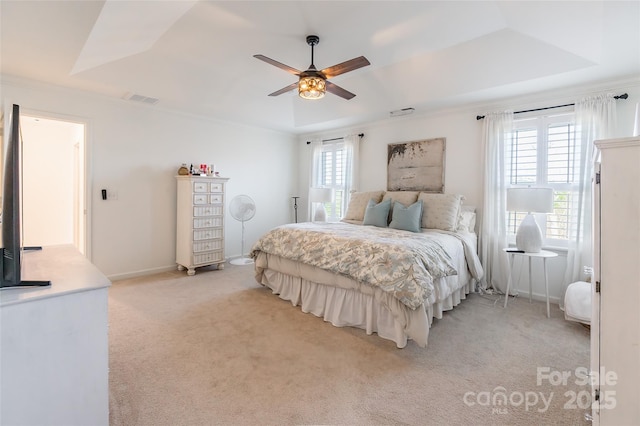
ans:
x=320 y=195
x=538 y=200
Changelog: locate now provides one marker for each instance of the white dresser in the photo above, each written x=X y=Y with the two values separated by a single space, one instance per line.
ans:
x=615 y=325
x=200 y=222
x=54 y=343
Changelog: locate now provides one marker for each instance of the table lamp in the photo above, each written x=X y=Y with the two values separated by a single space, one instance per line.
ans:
x=530 y=200
x=320 y=196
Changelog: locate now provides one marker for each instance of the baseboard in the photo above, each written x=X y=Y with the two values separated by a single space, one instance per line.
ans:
x=142 y=272
x=150 y=271
x=524 y=294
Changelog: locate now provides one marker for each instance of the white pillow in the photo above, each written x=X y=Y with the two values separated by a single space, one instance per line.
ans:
x=358 y=203
x=403 y=197
x=440 y=211
x=467 y=219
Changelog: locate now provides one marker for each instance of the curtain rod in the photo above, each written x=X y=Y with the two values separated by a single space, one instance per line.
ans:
x=623 y=96
x=336 y=139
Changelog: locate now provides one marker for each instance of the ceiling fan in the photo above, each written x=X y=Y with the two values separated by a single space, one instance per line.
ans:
x=313 y=83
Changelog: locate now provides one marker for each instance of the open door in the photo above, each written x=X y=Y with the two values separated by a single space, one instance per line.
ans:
x=53 y=157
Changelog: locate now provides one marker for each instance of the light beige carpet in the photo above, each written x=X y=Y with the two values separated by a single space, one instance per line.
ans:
x=217 y=348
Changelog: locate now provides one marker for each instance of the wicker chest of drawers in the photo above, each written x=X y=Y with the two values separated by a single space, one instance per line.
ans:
x=200 y=222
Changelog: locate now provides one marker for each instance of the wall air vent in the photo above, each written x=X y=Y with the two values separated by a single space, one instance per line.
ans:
x=140 y=98
x=401 y=112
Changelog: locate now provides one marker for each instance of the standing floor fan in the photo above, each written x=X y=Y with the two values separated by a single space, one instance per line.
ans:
x=242 y=208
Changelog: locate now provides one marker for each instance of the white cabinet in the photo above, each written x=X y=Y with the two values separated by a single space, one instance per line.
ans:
x=615 y=325
x=200 y=222
x=54 y=343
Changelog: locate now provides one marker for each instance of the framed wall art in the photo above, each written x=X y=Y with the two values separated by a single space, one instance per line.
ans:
x=416 y=166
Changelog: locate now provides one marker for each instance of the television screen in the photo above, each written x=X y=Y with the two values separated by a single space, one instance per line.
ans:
x=10 y=265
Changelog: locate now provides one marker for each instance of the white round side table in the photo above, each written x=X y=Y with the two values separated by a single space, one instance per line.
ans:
x=542 y=254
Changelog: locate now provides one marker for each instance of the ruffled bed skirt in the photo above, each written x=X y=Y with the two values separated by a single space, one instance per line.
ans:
x=346 y=303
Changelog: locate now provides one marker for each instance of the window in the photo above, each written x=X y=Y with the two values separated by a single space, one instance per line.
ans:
x=331 y=174
x=543 y=153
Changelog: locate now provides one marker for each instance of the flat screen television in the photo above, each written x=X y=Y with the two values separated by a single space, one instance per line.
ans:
x=12 y=250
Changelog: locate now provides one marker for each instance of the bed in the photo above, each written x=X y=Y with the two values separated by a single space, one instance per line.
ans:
x=396 y=261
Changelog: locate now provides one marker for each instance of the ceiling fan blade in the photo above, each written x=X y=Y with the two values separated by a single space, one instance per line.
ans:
x=285 y=89
x=278 y=64
x=350 y=65
x=337 y=90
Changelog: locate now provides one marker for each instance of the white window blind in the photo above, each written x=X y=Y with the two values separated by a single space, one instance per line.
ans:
x=332 y=175
x=543 y=153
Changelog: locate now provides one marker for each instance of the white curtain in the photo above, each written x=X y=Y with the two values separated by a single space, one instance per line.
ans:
x=351 y=168
x=496 y=140
x=595 y=119
x=351 y=160
x=314 y=172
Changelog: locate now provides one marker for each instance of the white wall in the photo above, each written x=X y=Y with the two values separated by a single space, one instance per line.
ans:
x=135 y=151
x=463 y=164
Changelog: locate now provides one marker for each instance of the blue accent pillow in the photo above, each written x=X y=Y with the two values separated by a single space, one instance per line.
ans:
x=407 y=218
x=377 y=214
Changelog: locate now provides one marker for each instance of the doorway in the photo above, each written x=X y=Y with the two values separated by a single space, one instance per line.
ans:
x=54 y=207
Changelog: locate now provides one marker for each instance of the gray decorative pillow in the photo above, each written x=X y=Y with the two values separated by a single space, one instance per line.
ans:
x=376 y=214
x=407 y=218
x=406 y=198
x=358 y=203
x=440 y=211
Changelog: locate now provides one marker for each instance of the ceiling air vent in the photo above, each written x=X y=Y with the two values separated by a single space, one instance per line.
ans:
x=139 y=98
x=401 y=112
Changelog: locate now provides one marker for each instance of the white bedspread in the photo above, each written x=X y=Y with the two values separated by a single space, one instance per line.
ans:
x=346 y=301
x=401 y=263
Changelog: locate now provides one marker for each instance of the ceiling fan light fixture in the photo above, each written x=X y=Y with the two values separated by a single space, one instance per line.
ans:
x=314 y=83
x=311 y=87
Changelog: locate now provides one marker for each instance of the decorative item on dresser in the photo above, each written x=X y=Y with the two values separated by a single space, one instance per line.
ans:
x=615 y=317
x=200 y=222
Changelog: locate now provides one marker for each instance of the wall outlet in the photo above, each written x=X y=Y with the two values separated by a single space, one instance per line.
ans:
x=112 y=194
